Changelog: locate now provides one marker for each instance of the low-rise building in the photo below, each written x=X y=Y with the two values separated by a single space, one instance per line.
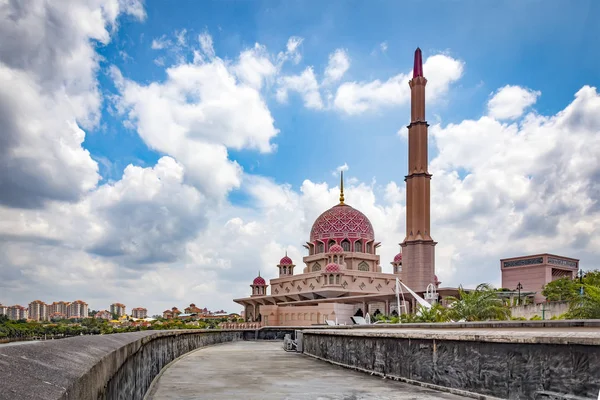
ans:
x=531 y=273
x=139 y=313
x=172 y=313
x=104 y=314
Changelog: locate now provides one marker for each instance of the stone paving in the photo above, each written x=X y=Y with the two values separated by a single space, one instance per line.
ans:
x=264 y=371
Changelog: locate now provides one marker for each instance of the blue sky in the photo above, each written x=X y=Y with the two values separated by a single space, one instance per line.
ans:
x=154 y=149
x=533 y=44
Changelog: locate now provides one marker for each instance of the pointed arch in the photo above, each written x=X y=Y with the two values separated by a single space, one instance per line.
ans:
x=320 y=247
x=331 y=243
x=346 y=245
x=358 y=246
x=363 y=266
x=316 y=267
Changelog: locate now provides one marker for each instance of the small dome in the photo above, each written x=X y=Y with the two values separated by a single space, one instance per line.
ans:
x=259 y=281
x=398 y=257
x=336 y=248
x=332 y=267
x=436 y=281
x=286 y=261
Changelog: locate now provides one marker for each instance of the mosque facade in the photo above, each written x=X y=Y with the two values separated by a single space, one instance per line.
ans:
x=341 y=276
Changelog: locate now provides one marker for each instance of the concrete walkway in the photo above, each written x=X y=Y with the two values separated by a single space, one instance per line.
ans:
x=263 y=371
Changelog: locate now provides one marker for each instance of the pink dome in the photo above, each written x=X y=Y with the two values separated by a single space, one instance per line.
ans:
x=259 y=281
x=436 y=280
x=398 y=257
x=332 y=267
x=336 y=248
x=342 y=221
x=286 y=261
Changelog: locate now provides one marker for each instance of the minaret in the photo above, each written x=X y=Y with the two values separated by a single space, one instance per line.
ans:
x=418 y=248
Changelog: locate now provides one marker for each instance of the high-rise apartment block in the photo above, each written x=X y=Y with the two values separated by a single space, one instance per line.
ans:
x=16 y=312
x=77 y=309
x=38 y=311
x=139 y=312
x=117 y=308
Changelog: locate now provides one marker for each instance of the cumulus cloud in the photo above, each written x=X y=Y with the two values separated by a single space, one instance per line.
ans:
x=200 y=111
x=509 y=102
x=304 y=84
x=359 y=97
x=339 y=62
x=254 y=67
x=48 y=93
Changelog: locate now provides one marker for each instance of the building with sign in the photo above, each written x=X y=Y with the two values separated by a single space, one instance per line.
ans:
x=532 y=273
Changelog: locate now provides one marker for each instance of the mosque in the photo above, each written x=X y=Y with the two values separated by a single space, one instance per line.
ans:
x=342 y=275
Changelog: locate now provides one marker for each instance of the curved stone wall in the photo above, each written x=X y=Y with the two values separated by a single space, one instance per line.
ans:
x=117 y=366
x=509 y=364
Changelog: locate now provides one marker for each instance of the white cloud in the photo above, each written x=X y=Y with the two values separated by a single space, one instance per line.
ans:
x=383 y=46
x=48 y=93
x=356 y=98
x=509 y=102
x=339 y=62
x=292 y=51
x=254 y=66
x=198 y=112
x=340 y=169
x=206 y=43
x=305 y=84
x=160 y=43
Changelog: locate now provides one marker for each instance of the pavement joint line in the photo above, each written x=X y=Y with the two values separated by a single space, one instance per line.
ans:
x=439 y=388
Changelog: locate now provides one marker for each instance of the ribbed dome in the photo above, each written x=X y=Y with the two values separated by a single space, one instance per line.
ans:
x=336 y=248
x=342 y=221
x=286 y=261
x=259 y=281
x=332 y=267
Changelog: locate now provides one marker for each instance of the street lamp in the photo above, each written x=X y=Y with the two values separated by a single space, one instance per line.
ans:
x=581 y=282
x=519 y=287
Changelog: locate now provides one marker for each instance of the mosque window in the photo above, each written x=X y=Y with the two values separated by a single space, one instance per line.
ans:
x=337 y=279
x=369 y=248
x=363 y=266
x=320 y=248
x=330 y=244
x=358 y=247
x=316 y=267
x=331 y=279
x=284 y=269
x=346 y=245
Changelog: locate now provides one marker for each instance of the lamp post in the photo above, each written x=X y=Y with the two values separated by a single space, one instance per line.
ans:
x=581 y=282
x=519 y=287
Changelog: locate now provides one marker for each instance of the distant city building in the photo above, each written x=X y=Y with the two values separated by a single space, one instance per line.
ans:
x=192 y=309
x=172 y=313
x=3 y=310
x=118 y=308
x=58 y=309
x=139 y=313
x=104 y=314
x=77 y=309
x=535 y=271
x=16 y=312
x=38 y=311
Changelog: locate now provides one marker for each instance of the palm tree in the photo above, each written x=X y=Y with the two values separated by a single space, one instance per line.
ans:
x=586 y=306
x=437 y=313
x=481 y=304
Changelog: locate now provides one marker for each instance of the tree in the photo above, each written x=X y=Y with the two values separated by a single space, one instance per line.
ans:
x=563 y=289
x=437 y=313
x=481 y=304
x=586 y=306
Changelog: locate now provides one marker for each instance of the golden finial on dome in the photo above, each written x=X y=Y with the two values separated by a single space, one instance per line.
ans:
x=342 y=187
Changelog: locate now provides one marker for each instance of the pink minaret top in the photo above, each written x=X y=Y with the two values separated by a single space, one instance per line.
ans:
x=418 y=68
